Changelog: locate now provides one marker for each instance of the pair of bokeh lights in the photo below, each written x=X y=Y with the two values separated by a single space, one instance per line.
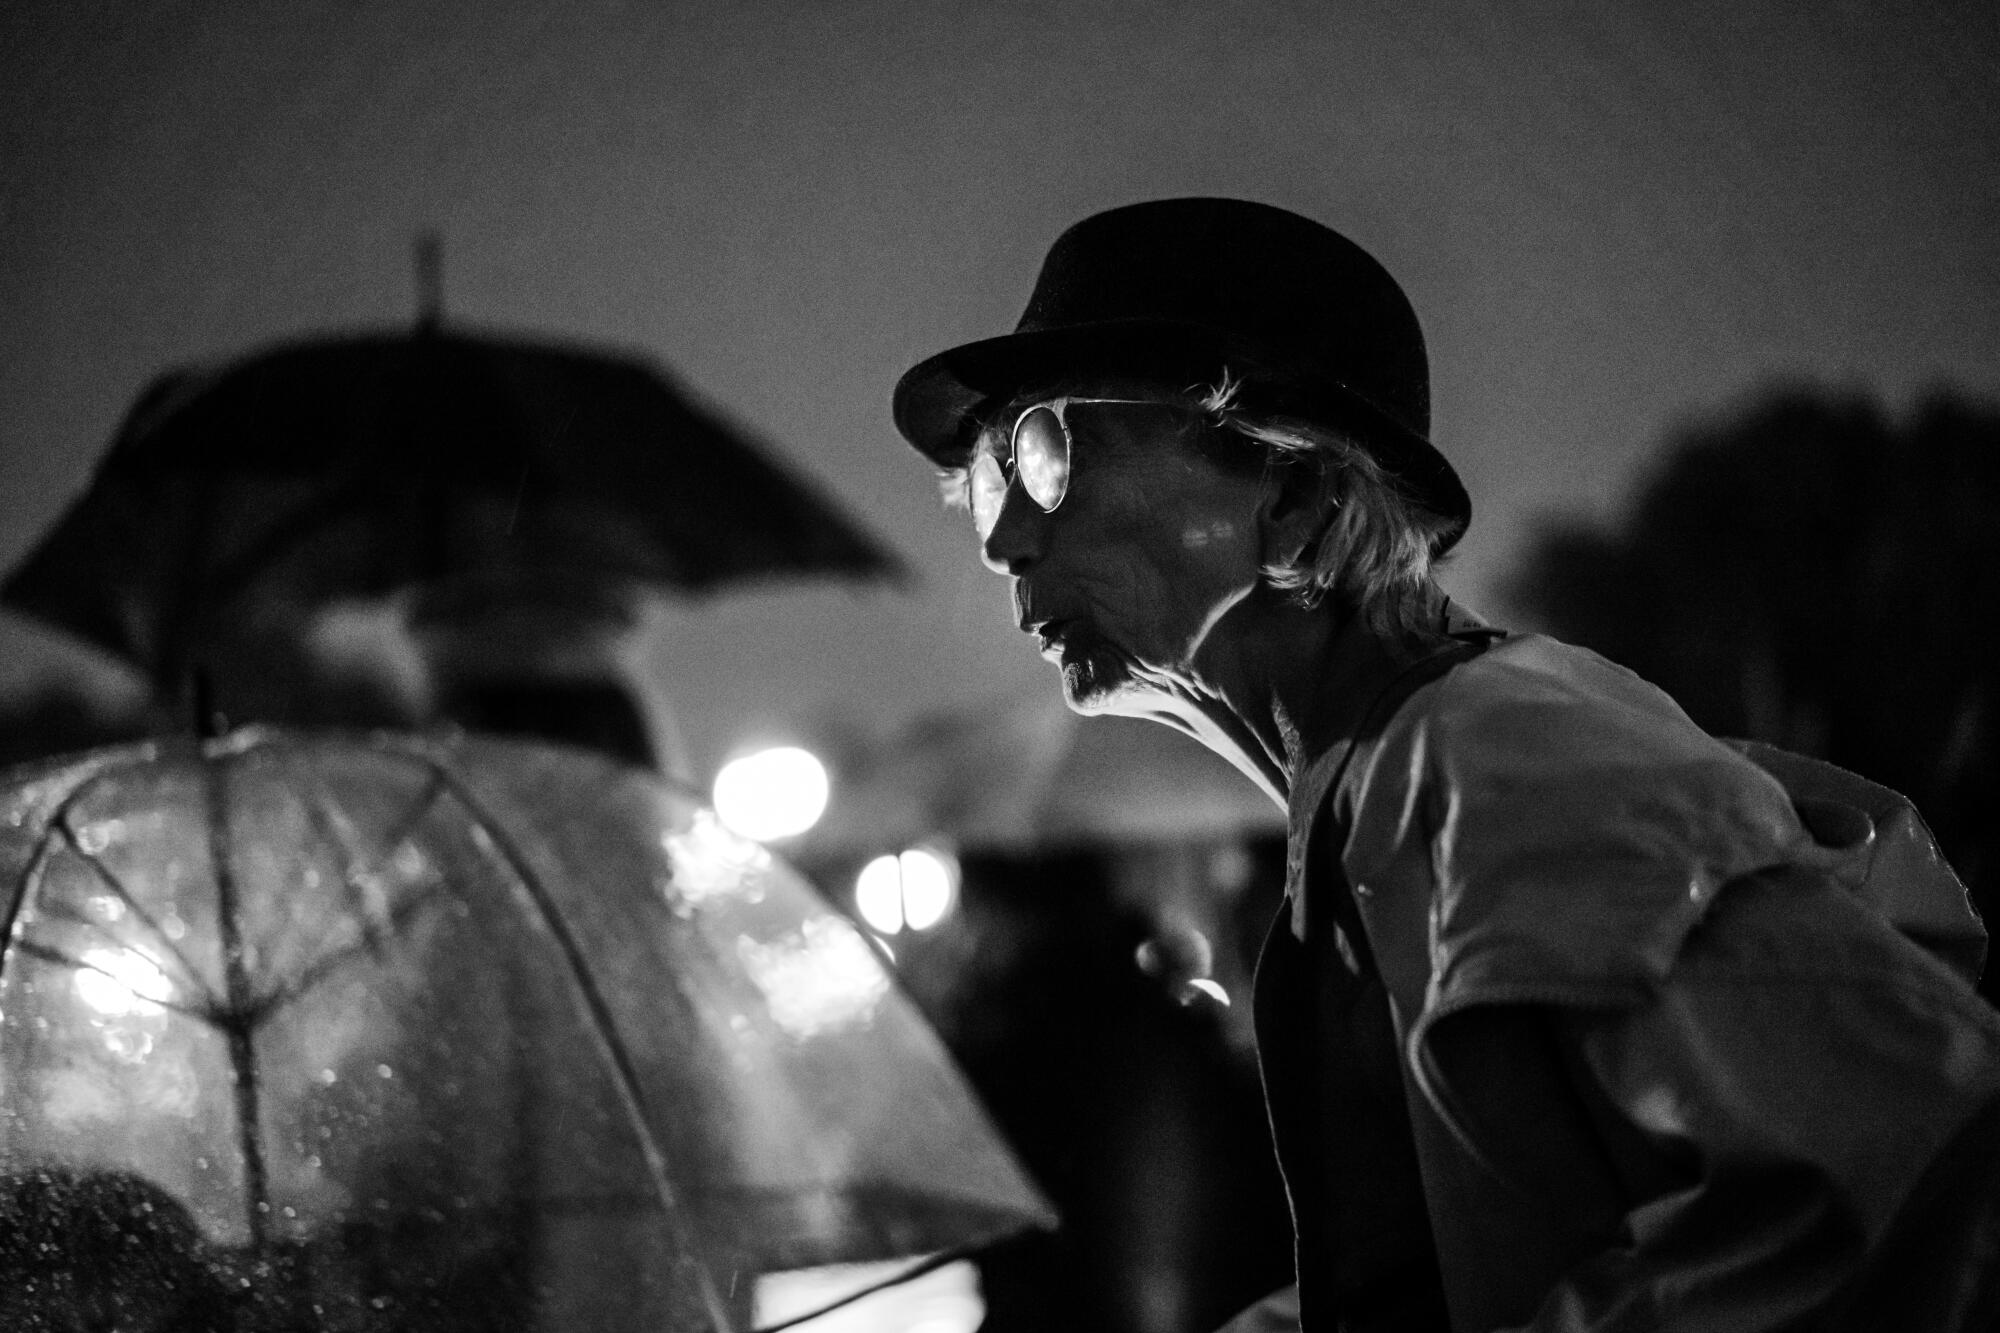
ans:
x=782 y=792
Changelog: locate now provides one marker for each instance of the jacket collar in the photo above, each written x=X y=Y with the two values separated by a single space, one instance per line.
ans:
x=1362 y=693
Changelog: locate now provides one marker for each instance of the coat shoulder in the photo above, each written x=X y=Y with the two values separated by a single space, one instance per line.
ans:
x=1570 y=824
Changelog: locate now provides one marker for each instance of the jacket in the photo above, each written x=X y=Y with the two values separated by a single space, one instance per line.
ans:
x=1580 y=1019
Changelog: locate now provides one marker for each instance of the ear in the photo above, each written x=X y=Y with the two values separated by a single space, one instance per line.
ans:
x=1292 y=514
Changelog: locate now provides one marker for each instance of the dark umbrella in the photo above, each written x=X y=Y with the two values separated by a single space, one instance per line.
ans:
x=433 y=1034
x=355 y=466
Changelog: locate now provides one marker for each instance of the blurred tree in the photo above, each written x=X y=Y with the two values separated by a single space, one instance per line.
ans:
x=1811 y=573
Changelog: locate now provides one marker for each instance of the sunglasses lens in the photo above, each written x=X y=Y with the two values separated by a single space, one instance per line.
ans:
x=1041 y=456
x=986 y=492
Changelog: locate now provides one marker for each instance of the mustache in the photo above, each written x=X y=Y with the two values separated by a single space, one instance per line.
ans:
x=1031 y=612
x=1027 y=617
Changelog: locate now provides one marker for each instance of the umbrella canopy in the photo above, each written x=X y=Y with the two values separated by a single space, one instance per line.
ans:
x=457 y=1033
x=353 y=466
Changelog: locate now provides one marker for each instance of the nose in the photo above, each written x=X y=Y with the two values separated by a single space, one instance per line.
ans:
x=1016 y=540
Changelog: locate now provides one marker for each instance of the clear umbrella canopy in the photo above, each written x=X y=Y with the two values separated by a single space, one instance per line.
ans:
x=440 y=1034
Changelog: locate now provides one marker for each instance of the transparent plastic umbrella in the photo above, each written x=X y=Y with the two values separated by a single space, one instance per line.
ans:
x=431 y=1033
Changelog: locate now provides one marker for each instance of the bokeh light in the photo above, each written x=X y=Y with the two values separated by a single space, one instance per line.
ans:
x=774 y=793
x=118 y=982
x=928 y=887
x=878 y=894
x=913 y=890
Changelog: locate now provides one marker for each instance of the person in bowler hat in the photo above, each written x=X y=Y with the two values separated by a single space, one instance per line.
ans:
x=1575 y=1017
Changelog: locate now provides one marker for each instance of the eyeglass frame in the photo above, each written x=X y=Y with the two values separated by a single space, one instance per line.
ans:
x=1010 y=469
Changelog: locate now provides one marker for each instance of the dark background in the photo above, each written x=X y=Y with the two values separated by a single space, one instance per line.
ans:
x=1611 y=218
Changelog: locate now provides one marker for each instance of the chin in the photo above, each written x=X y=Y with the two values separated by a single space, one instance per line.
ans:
x=1095 y=681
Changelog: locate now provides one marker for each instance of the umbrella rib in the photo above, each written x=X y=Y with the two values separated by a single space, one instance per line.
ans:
x=236 y=1018
x=605 y=1028
x=323 y=812
x=31 y=886
x=35 y=949
x=331 y=962
x=109 y=878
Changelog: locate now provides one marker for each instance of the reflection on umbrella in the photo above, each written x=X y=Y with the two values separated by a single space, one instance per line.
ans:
x=1033 y=776
x=347 y=467
x=435 y=1034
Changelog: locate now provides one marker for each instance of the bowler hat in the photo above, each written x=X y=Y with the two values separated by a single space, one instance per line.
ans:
x=1311 y=323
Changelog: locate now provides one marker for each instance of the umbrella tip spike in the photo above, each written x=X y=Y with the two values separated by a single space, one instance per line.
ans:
x=428 y=257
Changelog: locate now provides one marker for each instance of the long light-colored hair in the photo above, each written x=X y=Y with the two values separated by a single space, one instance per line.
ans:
x=1374 y=557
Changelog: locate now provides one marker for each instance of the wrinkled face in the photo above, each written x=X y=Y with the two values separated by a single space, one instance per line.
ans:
x=1154 y=541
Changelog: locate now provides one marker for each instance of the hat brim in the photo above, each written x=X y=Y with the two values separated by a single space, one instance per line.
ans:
x=937 y=399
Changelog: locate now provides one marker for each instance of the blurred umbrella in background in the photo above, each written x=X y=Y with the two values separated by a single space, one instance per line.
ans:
x=1031 y=776
x=348 y=467
x=434 y=1034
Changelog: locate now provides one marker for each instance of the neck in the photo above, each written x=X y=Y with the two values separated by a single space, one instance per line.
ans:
x=1275 y=686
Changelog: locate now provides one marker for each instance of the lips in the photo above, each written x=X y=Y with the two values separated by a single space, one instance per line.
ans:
x=1050 y=631
x=1050 y=634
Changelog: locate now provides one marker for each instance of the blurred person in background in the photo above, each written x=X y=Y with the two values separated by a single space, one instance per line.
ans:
x=104 y=1252
x=1575 y=1017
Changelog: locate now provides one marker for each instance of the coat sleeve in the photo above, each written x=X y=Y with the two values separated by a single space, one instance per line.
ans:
x=1799 y=1127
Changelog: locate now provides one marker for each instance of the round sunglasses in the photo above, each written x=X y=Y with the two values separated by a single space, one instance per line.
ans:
x=1038 y=451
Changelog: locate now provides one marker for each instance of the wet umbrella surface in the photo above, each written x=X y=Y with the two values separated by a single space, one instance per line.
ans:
x=348 y=1032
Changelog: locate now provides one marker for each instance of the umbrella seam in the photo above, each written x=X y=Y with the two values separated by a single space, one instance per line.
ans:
x=48 y=954
x=104 y=875
x=354 y=861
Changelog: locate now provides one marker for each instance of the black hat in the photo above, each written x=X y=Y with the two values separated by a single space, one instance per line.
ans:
x=1314 y=326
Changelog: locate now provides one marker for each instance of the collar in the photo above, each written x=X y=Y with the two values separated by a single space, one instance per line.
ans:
x=1362 y=693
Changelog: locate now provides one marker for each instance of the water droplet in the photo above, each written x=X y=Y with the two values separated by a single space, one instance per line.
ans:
x=93 y=839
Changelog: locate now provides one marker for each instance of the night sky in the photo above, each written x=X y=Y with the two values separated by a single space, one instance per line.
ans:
x=1611 y=218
